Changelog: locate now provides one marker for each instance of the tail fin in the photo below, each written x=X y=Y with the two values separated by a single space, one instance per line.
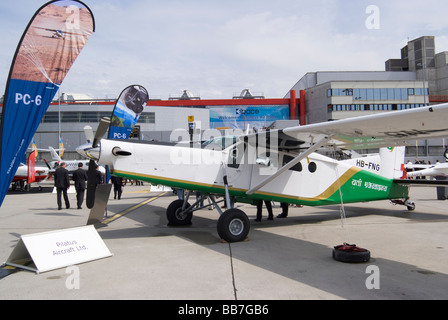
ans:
x=392 y=161
x=54 y=154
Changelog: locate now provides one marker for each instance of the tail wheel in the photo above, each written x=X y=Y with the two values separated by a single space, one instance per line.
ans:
x=178 y=217
x=410 y=205
x=233 y=225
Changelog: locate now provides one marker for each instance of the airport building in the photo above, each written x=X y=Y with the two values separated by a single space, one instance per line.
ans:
x=419 y=77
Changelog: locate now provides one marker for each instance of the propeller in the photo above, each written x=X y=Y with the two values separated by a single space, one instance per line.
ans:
x=46 y=162
x=94 y=155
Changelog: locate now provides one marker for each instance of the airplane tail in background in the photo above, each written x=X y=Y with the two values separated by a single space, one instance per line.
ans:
x=54 y=154
x=392 y=162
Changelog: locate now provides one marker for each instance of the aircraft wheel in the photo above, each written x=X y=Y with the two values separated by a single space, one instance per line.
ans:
x=233 y=225
x=175 y=215
x=410 y=205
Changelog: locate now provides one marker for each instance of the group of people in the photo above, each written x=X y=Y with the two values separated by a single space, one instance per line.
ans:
x=62 y=184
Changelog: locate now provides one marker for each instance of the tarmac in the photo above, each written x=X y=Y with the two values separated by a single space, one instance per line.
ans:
x=284 y=259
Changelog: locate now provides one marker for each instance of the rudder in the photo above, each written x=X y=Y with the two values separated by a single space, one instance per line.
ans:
x=392 y=161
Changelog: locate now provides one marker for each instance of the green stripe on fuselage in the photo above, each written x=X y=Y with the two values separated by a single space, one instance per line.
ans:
x=356 y=186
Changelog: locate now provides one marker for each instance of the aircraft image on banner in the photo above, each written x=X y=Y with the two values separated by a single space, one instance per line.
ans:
x=277 y=165
x=56 y=33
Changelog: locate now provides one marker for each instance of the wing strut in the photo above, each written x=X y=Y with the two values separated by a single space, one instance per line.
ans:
x=290 y=164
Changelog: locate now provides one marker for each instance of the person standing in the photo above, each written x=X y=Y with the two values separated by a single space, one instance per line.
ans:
x=99 y=176
x=118 y=185
x=285 y=208
x=62 y=183
x=80 y=178
x=268 y=207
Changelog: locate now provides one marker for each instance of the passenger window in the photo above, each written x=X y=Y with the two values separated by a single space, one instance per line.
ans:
x=312 y=167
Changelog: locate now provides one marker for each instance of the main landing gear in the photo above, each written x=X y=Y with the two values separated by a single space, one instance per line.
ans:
x=233 y=224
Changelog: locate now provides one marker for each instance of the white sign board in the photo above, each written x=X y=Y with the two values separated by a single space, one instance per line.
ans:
x=160 y=188
x=58 y=249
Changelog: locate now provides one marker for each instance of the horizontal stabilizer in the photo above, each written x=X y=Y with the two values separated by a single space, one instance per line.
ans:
x=422 y=182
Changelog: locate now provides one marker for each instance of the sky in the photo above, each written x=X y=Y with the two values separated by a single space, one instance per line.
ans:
x=216 y=48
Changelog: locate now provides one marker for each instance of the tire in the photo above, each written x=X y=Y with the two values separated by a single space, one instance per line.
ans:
x=175 y=215
x=410 y=206
x=350 y=253
x=233 y=225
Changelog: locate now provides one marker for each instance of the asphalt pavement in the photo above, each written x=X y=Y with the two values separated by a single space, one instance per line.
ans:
x=283 y=259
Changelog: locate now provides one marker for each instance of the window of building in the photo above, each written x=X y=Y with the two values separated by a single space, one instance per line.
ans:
x=149 y=117
x=89 y=116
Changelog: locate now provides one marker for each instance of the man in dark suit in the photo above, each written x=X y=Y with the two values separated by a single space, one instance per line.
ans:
x=99 y=175
x=62 y=183
x=80 y=178
x=118 y=186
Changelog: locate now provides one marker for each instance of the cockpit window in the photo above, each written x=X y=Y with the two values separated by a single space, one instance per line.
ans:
x=220 y=143
x=236 y=155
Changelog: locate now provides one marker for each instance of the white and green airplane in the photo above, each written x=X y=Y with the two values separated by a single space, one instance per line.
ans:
x=278 y=165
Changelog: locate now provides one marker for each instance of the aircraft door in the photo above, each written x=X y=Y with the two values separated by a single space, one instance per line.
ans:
x=238 y=169
x=266 y=164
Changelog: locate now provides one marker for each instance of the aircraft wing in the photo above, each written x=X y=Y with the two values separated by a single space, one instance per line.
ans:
x=434 y=170
x=385 y=129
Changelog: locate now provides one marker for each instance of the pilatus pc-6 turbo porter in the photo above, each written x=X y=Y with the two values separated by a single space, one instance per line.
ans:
x=278 y=165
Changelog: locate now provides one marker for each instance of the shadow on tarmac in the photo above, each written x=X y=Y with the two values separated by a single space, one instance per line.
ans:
x=299 y=260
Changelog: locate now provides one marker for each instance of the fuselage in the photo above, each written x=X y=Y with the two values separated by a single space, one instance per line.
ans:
x=41 y=173
x=316 y=180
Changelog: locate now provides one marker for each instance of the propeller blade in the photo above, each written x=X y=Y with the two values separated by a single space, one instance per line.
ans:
x=101 y=131
x=91 y=184
x=45 y=160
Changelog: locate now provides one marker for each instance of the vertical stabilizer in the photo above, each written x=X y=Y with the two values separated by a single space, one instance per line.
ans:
x=54 y=154
x=392 y=160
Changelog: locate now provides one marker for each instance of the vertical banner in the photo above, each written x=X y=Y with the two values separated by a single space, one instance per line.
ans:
x=126 y=112
x=32 y=168
x=49 y=46
x=61 y=147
